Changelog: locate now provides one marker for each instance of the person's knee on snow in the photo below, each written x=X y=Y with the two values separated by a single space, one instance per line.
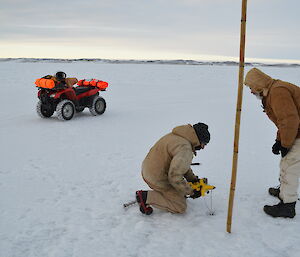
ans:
x=179 y=208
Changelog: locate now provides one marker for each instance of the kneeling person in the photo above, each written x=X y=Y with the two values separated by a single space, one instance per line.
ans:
x=166 y=169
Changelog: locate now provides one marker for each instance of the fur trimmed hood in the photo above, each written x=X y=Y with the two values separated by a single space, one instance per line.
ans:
x=187 y=132
x=258 y=81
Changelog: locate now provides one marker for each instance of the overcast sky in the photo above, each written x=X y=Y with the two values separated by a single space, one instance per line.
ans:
x=148 y=29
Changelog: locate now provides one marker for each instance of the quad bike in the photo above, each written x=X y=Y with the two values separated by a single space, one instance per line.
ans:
x=57 y=96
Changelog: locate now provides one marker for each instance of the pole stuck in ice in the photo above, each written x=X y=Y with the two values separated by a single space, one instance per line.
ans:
x=238 y=114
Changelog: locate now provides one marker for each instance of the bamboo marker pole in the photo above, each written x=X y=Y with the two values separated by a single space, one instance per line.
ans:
x=238 y=114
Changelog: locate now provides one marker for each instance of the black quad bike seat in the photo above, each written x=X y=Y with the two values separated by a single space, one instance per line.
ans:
x=80 y=90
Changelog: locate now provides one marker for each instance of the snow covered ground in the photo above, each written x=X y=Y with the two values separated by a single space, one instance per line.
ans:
x=62 y=184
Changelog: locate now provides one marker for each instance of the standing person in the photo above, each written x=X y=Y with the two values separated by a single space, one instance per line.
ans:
x=166 y=169
x=281 y=102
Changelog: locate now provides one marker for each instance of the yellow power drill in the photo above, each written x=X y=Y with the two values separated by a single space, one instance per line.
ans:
x=202 y=186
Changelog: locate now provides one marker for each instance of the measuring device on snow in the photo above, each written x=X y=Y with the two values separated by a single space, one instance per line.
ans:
x=202 y=186
x=204 y=189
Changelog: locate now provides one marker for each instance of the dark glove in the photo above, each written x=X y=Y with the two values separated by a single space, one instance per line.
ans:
x=284 y=151
x=196 y=194
x=276 y=147
x=195 y=180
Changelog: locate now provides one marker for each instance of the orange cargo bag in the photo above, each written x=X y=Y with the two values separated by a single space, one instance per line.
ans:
x=99 y=83
x=102 y=85
x=45 y=83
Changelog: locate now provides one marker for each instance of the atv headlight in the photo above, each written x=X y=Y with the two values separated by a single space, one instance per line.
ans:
x=52 y=95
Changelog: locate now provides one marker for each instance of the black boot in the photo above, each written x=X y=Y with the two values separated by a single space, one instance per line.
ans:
x=274 y=191
x=285 y=210
x=141 y=197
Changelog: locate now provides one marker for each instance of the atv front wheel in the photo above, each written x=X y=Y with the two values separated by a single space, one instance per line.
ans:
x=65 y=110
x=44 y=111
x=98 y=106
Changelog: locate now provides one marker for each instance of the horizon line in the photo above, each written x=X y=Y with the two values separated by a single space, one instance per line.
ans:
x=147 y=60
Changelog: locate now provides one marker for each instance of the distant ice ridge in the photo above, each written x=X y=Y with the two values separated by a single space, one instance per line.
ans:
x=175 y=62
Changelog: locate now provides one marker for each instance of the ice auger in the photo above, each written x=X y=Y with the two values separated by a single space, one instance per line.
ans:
x=202 y=186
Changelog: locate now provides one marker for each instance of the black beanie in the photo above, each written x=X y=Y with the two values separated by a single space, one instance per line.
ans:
x=202 y=132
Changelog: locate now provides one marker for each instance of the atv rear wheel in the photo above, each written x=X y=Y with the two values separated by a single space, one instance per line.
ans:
x=65 y=110
x=98 y=106
x=44 y=111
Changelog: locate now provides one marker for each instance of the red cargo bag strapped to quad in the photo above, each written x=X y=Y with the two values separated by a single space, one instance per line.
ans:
x=102 y=85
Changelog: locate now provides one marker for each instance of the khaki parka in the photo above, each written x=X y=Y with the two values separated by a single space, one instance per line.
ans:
x=281 y=102
x=168 y=162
